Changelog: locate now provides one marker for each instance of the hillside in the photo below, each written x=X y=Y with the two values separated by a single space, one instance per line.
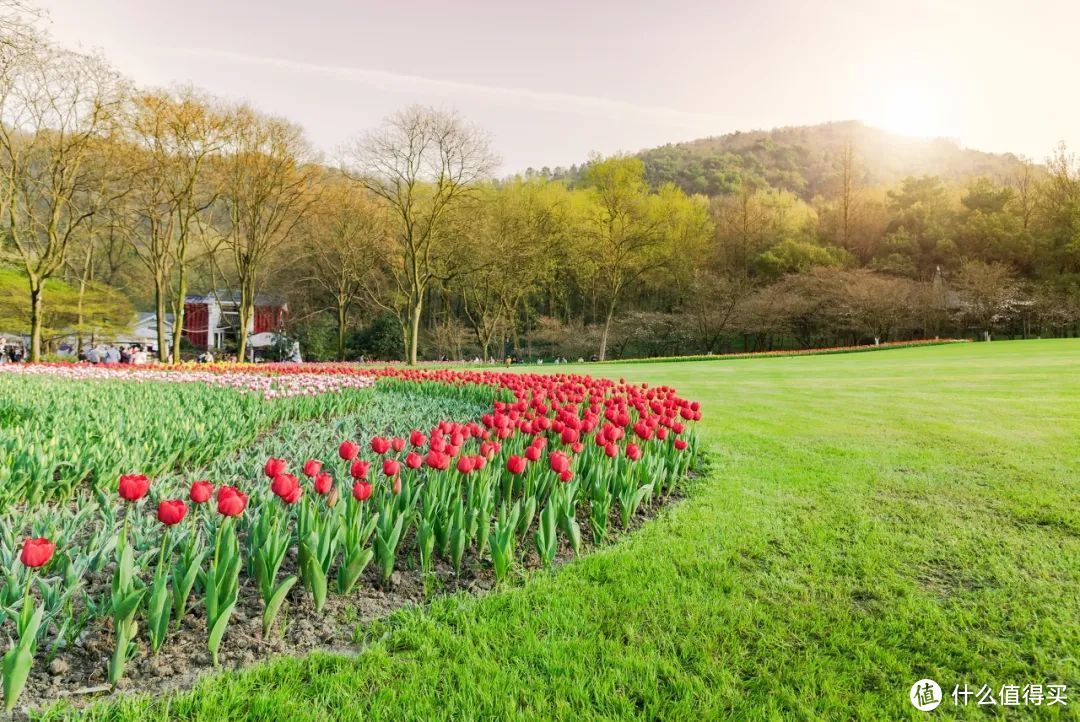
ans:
x=804 y=159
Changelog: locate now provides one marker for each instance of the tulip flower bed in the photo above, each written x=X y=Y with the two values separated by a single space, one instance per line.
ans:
x=270 y=386
x=440 y=481
x=63 y=427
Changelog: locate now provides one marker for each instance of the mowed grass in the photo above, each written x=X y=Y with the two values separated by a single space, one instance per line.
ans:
x=865 y=521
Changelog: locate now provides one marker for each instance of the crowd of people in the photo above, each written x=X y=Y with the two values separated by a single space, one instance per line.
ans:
x=111 y=354
x=11 y=353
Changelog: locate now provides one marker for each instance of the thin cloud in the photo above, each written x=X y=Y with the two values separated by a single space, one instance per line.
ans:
x=398 y=82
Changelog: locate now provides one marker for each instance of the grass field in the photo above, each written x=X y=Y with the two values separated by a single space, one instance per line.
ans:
x=867 y=520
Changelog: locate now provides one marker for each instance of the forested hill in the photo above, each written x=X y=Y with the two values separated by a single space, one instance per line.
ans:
x=805 y=159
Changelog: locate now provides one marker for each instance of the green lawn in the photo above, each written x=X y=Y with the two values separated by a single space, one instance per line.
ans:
x=867 y=520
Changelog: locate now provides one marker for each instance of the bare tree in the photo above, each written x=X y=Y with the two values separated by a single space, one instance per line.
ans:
x=426 y=165
x=513 y=245
x=1026 y=185
x=842 y=212
x=633 y=231
x=879 y=305
x=175 y=136
x=57 y=112
x=712 y=304
x=345 y=232
x=266 y=188
x=17 y=33
x=986 y=290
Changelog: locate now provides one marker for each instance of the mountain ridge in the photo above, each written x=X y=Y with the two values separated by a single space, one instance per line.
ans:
x=805 y=159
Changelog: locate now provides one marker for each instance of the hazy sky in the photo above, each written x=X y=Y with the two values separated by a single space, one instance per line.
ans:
x=555 y=80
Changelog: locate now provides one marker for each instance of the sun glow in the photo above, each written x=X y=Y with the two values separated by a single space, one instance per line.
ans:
x=917 y=110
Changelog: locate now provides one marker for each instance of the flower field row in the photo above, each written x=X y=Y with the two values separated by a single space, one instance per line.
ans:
x=60 y=434
x=270 y=386
x=552 y=463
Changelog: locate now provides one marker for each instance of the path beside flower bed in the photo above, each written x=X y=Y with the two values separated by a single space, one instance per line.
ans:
x=888 y=345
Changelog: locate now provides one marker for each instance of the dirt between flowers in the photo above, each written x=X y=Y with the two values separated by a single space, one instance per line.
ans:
x=77 y=675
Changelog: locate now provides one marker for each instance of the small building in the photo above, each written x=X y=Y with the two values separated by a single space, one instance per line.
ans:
x=212 y=320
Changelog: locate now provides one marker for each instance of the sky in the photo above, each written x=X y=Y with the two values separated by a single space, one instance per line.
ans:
x=555 y=81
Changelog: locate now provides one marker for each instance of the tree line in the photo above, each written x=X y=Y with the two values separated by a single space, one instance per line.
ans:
x=404 y=244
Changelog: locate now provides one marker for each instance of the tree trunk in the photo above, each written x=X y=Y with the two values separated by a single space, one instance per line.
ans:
x=88 y=270
x=247 y=311
x=159 y=303
x=36 y=320
x=607 y=328
x=414 y=334
x=242 y=344
x=178 y=315
x=341 y=320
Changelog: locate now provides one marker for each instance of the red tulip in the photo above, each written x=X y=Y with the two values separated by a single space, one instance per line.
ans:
x=380 y=445
x=391 y=467
x=414 y=460
x=566 y=476
x=417 y=438
x=516 y=465
x=437 y=460
x=134 y=486
x=348 y=450
x=323 y=483
x=465 y=464
x=570 y=436
x=633 y=452
x=680 y=444
x=274 y=467
x=359 y=469
x=559 y=462
x=201 y=491
x=231 y=501
x=37 y=552
x=611 y=450
x=171 y=511
x=293 y=496
x=361 y=490
x=532 y=453
x=397 y=444
x=284 y=484
x=312 y=467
